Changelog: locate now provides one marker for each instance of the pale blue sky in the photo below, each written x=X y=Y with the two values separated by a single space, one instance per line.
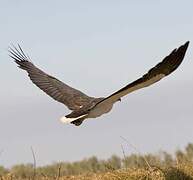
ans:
x=97 y=47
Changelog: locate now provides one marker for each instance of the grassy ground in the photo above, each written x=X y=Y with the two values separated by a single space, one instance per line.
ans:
x=179 y=172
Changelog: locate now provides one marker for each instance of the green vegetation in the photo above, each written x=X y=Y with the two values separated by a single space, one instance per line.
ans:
x=159 y=166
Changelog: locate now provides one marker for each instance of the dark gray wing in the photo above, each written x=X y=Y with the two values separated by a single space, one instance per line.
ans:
x=61 y=92
x=164 y=68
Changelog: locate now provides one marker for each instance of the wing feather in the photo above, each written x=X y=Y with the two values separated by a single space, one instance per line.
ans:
x=169 y=64
x=58 y=90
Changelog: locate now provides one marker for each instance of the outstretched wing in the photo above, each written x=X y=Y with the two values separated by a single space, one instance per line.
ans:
x=61 y=92
x=164 y=68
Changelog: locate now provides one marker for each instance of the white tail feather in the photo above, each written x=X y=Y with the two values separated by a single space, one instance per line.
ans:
x=66 y=120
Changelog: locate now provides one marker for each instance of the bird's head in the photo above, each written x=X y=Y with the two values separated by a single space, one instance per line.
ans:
x=119 y=100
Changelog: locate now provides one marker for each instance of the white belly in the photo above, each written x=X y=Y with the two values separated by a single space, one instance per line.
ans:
x=100 y=110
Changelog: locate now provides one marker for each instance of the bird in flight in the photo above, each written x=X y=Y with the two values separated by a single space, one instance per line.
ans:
x=82 y=105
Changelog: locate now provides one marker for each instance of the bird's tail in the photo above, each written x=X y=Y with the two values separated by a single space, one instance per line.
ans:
x=75 y=120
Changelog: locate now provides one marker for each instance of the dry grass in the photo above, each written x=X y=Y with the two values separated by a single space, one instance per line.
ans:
x=179 y=172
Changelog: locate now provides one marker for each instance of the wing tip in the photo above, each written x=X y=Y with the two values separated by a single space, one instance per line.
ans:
x=187 y=43
x=178 y=56
x=183 y=49
x=185 y=46
x=18 y=55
